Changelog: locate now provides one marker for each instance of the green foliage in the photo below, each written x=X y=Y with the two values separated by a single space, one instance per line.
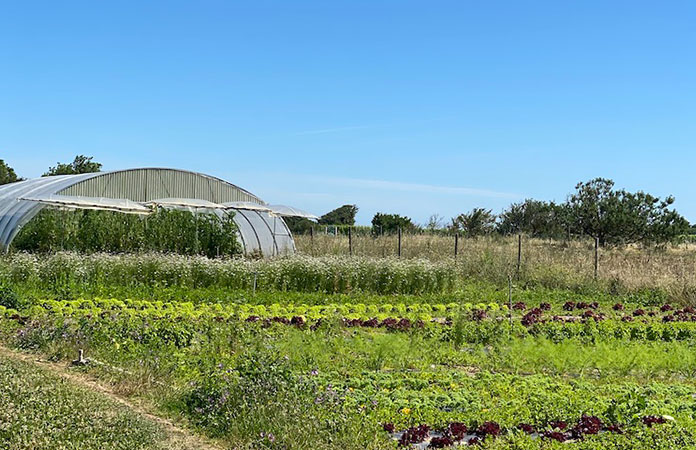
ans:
x=239 y=368
x=345 y=215
x=257 y=385
x=341 y=217
x=391 y=223
x=535 y=218
x=621 y=217
x=477 y=222
x=300 y=274
x=90 y=231
x=81 y=164
x=629 y=408
x=7 y=173
x=299 y=225
x=9 y=298
x=598 y=210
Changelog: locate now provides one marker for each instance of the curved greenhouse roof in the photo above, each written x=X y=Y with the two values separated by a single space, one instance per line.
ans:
x=260 y=231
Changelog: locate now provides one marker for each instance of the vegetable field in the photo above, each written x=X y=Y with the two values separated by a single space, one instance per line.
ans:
x=359 y=353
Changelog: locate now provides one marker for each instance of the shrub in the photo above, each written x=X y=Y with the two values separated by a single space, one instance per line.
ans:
x=9 y=298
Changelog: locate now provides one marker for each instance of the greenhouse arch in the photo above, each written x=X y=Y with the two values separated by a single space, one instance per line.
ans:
x=260 y=232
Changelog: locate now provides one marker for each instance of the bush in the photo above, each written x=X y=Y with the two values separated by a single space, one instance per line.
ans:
x=9 y=298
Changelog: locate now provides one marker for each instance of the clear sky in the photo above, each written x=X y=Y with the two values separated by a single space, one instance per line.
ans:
x=412 y=107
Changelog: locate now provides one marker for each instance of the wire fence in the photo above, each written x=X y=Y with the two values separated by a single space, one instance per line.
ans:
x=635 y=266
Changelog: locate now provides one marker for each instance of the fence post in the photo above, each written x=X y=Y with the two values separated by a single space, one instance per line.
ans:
x=456 y=244
x=510 y=300
x=399 y=248
x=311 y=240
x=350 y=241
x=596 y=257
x=519 y=254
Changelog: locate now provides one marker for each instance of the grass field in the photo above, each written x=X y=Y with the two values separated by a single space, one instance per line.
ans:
x=338 y=353
x=556 y=264
x=41 y=410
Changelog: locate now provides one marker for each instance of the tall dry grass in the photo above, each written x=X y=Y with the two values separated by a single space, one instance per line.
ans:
x=570 y=264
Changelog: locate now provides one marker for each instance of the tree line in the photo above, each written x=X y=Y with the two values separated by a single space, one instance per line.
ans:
x=81 y=164
x=596 y=209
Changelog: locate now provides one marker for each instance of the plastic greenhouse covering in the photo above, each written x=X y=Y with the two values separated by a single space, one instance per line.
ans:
x=262 y=229
x=121 y=205
x=289 y=211
x=189 y=204
x=247 y=205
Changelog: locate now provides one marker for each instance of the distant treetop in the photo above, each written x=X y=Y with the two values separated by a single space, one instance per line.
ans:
x=81 y=164
x=7 y=174
x=391 y=223
x=345 y=215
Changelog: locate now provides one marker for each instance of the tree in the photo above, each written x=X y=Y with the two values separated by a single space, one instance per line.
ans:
x=7 y=173
x=391 y=223
x=535 y=218
x=81 y=164
x=435 y=223
x=477 y=222
x=345 y=215
x=621 y=217
x=298 y=225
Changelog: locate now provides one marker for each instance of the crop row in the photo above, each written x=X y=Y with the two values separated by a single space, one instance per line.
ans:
x=298 y=273
x=559 y=430
x=474 y=325
x=423 y=311
x=476 y=311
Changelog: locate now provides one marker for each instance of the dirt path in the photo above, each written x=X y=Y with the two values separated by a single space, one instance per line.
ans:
x=177 y=437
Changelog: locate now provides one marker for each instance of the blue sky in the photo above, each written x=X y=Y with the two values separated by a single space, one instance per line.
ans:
x=397 y=106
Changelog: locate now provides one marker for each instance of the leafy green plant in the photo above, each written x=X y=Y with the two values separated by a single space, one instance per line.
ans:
x=9 y=298
x=629 y=408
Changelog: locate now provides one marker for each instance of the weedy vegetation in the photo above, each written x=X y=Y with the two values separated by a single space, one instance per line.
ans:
x=336 y=352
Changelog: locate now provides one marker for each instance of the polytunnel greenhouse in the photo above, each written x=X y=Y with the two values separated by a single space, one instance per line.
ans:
x=262 y=229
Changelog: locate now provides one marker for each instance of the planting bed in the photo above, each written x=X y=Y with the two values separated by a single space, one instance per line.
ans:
x=411 y=363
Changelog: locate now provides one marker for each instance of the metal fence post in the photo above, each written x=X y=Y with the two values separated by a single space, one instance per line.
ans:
x=519 y=254
x=350 y=241
x=399 y=248
x=510 y=300
x=311 y=239
x=596 y=257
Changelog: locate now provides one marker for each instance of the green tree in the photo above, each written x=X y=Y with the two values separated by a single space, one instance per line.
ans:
x=7 y=173
x=621 y=217
x=81 y=164
x=477 y=222
x=391 y=223
x=345 y=215
x=298 y=225
x=535 y=218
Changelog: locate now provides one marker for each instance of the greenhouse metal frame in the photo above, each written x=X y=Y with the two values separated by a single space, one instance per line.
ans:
x=260 y=230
